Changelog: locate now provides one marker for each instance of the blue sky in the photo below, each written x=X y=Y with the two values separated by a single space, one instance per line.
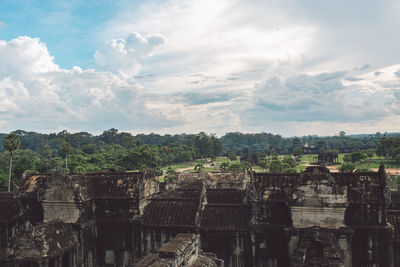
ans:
x=289 y=67
x=69 y=28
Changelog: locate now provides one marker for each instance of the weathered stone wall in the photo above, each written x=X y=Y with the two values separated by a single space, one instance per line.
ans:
x=267 y=220
x=59 y=202
x=216 y=180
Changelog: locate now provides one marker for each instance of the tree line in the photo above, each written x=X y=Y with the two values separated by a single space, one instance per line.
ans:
x=84 y=152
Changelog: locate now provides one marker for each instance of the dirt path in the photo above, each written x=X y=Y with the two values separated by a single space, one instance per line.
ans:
x=192 y=168
x=388 y=171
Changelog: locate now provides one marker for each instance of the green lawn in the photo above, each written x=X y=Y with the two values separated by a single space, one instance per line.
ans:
x=369 y=163
x=179 y=166
x=305 y=160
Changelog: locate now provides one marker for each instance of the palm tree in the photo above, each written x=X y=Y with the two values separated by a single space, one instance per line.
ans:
x=66 y=149
x=10 y=143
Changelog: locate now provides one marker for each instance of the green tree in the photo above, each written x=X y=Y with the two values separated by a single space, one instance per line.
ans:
x=203 y=145
x=141 y=156
x=109 y=136
x=298 y=152
x=11 y=143
x=370 y=153
x=264 y=164
x=89 y=148
x=46 y=157
x=25 y=160
x=245 y=150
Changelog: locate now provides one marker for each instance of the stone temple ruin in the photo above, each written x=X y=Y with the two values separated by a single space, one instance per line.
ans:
x=113 y=219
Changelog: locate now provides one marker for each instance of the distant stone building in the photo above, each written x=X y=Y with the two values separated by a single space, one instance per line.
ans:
x=112 y=219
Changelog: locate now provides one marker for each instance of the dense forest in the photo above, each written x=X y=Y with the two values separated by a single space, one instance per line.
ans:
x=235 y=142
x=84 y=152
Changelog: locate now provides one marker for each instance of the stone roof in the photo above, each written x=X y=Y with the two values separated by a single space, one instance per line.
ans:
x=97 y=185
x=175 y=208
x=171 y=213
x=189 y=192
x=232 y=196
x=226 y=217
x=100 y=185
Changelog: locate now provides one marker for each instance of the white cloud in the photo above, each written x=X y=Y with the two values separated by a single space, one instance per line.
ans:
x=25 y=57
x=124 y=54
x=37 y=94
x=11 y=94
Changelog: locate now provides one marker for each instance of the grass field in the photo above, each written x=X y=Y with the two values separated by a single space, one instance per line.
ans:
x=369 y=163
x=305 y=160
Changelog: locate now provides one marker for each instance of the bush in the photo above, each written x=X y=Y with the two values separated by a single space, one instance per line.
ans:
x=276 y=166
x=289 y=160
x=357 y=156
x=232 y=157
x=236 y=167
x=170 y=176
x=347 y=167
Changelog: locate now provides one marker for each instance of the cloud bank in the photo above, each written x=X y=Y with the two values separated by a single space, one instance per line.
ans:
x=215 y=66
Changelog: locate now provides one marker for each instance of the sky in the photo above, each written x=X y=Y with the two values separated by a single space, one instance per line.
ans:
x=289 y=67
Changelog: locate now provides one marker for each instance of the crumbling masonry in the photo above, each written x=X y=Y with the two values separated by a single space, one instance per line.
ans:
x=113 y=219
